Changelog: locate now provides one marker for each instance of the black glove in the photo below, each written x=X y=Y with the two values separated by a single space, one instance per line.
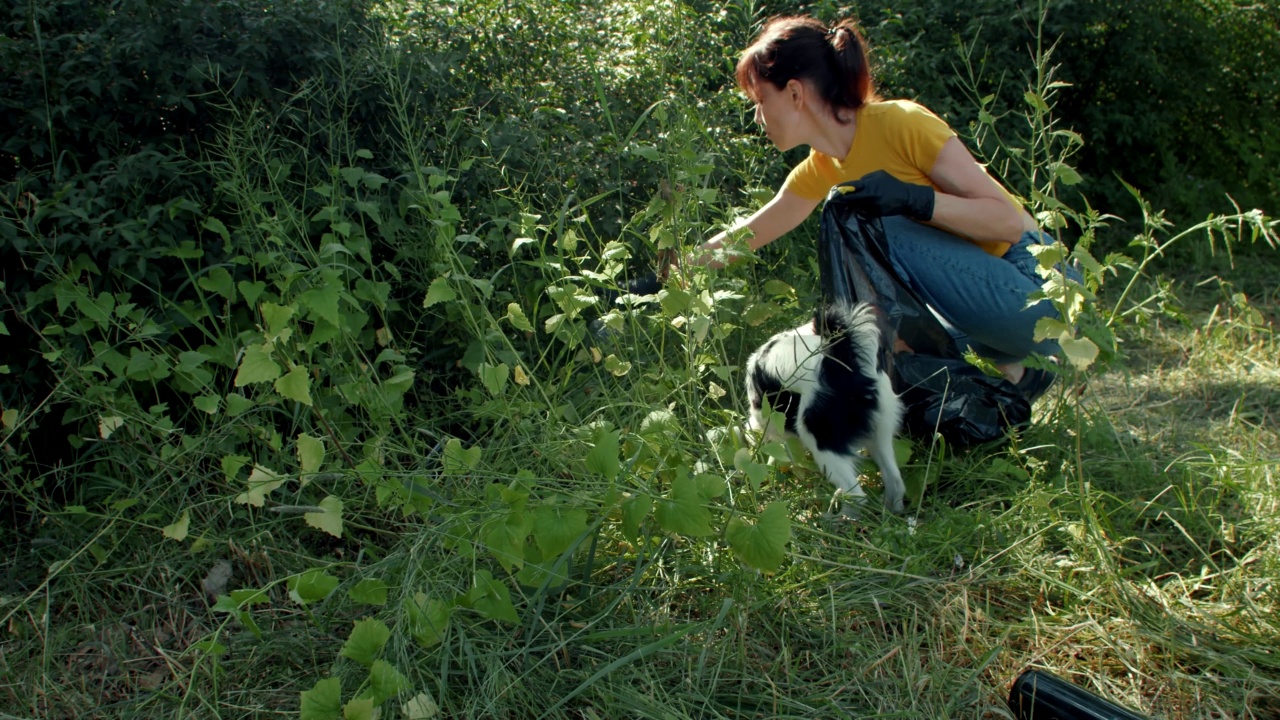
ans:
x=878 y=194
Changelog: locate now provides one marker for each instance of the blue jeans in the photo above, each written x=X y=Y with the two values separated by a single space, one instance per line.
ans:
x=982 y=299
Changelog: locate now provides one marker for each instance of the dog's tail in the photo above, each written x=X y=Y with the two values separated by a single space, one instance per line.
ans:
x=851 y=334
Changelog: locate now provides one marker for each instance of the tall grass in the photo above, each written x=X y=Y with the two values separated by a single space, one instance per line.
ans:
x=504 y=522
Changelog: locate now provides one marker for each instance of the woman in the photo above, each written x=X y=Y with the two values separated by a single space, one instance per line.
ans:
x=955 y=235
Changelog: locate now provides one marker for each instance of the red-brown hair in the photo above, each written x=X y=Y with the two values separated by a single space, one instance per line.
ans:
x=834 y=60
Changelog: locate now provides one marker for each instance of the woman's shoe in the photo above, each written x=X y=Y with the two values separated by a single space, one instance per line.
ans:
x=1035 y=383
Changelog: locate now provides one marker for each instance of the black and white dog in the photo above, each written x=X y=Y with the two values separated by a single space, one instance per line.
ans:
x=825 y=379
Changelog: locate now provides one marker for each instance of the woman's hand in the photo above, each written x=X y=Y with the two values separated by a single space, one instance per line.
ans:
x=879 y=194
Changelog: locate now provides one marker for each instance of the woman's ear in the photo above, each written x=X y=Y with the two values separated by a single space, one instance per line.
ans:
x=797 y=92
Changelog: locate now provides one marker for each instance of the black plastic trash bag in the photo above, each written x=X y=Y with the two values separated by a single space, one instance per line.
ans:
x=940 y=391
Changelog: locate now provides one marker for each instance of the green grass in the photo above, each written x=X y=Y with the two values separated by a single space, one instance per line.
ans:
x=1129 y=541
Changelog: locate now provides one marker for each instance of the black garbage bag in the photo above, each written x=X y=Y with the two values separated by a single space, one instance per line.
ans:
x=940 y=391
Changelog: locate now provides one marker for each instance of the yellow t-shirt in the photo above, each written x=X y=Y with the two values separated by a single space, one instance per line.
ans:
x=898 y=136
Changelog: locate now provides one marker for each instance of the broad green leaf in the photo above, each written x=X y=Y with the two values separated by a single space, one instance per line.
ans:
x=492 y=599
x=505 y=537
x=261 y=482
x=248 y=597
x=322 y=304
x=709 y=486
x=494 y=378
x=439 y=292
x=420 y=707
x=323 y=701
x=761 y=545
x=755 y=472
x=178 y=530
x=219 y=281
x=370 y=591
x=231 y=465
x=9 y=418
x=214 y=224
x=555 y=527
x=616 y=367
x=386 y=682
x=238 y=404
x=108 y=424
x=359 y=709
x=1081 y=352
x=683 y=512
x=602 y=459
x=275 y=317
x=634 y=510
x=295 y=385
x=366 y=641
x=1066 y=174
x=458 y=461
x=311 y=586
x=310 y=454
x=1048 y=327
x=207 y=403
x=251 y=290
x=517 y=318
x=256 y=366
x=330 y=520
x=427 y=618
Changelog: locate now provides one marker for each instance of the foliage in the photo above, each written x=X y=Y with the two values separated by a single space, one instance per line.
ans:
x=325 y=298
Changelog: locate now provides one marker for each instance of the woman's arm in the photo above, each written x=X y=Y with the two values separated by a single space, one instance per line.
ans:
x=970 y=203
x=778 y=217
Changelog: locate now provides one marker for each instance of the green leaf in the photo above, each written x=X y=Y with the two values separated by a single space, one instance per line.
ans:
x=178 y=530
x=556 y=527
x=634 y=510
x=207 y=403
x=505 y=537
x=359 y=709
x=219 y=281
x=683 y=512
x=602 y=459
x=458 y=461
x=275 y=317
x=261 y=482
x=494 y=378
x=492 y=599
x=330 y=520
x=251 y=290
x=238 y=404
x=256 y=366
x=615 y=366
x=439 y=292
x=515 y=315
x=311 y=586
x=370 y=591
x=322 y=304
x=420 y=707
x=1048 y=327
x=1081 y=352
x=427 y=618
x=296 y=385
x=366 y=641
x=761 y=545
x=323 y=701
x=755 y=472
x=310 y=454
x=386 y=682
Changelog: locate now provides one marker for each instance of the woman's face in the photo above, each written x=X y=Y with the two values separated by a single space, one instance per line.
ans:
x=778 y=113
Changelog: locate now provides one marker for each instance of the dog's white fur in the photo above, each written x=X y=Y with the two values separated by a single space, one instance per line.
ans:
x=804 y=372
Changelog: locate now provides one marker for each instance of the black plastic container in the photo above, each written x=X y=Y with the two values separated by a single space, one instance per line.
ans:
x=1037 y=695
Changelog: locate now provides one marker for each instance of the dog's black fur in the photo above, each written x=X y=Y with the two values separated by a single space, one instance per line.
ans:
x=827 y=381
